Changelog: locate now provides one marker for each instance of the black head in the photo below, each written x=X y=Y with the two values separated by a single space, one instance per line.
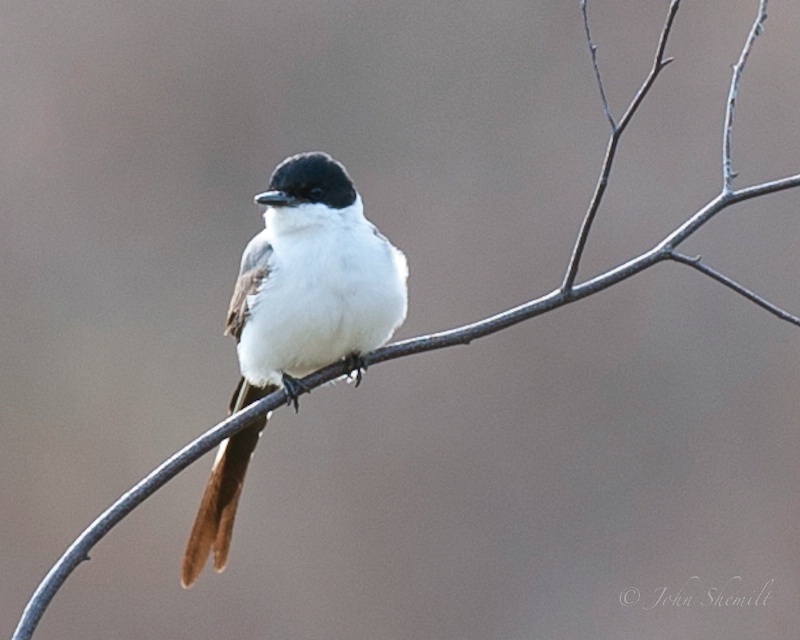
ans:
x=312 y=177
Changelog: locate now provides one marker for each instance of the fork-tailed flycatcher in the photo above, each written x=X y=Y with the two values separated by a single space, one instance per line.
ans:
x=318 y=284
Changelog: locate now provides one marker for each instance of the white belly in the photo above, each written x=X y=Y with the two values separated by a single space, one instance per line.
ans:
x=320 y=304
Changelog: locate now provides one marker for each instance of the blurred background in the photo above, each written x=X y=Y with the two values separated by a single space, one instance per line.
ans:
x=517 y=488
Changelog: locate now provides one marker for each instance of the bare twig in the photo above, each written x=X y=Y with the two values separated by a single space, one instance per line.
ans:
x=566 y=294
x=728 y=174
x=78 y=551
x=598 y=77
x=695 y=263
x=659 y=62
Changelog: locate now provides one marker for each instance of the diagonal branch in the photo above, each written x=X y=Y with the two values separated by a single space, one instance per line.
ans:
x=712 y=273
x=728 y=174
x=659 y=62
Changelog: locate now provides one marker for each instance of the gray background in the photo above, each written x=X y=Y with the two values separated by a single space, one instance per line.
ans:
x=512 y=489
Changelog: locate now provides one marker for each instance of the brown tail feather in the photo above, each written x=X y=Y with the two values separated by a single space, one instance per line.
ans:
x=213 y=526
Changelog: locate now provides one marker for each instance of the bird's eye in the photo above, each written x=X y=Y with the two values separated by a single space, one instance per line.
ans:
x=316 y=193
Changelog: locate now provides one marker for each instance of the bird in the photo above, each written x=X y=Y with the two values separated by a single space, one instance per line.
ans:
x=319 y=284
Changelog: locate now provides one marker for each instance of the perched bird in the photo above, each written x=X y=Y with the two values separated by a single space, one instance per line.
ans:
x=317 y=285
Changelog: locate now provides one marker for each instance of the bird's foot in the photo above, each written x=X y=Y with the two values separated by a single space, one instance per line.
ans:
x=294 y=388
x=355 y=362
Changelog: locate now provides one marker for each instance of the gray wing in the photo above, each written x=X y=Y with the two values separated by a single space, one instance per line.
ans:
x=253 y=272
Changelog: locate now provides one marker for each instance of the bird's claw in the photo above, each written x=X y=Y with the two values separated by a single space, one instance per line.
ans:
x=294 y=388
x=355 y=362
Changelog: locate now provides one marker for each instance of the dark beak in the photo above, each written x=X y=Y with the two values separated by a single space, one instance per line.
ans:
x=276 y=199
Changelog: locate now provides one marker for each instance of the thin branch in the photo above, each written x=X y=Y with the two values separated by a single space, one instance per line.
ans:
x=659 y=62
x=598 y=77
x=728 y=174
x=78 y=551
x=616 y=133
x=722 y=201
x=712 y=273
x=773 y=186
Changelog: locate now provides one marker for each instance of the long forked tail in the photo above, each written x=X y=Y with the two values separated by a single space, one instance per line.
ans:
x=213 y=526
